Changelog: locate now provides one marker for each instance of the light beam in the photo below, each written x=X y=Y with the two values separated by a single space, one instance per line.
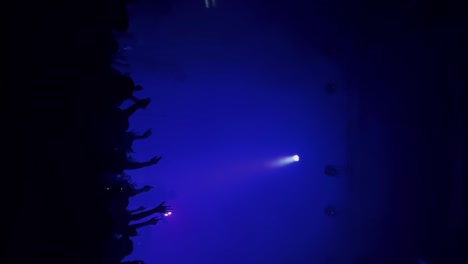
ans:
x=284 y=161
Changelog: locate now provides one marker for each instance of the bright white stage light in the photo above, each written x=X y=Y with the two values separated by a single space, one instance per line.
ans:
x=284 y=161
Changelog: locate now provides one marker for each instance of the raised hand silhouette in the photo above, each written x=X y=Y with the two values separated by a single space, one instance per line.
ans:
x=153 y=221
x=147 y=133
x=143 y=103
x=155 y=160
x=163 y=208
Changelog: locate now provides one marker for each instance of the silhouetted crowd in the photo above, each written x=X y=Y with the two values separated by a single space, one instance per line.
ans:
x=116 y=186
x=69 y=139
x=115 y=146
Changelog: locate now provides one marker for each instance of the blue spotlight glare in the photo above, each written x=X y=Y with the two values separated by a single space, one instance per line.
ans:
x=295 y=157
